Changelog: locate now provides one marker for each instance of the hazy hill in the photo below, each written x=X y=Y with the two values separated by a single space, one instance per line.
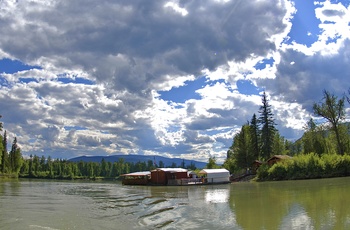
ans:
x=140 y=158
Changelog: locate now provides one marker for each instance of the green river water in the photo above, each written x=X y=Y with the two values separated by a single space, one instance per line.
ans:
x=309 y=204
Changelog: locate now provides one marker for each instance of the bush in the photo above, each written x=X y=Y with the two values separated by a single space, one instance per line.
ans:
x=308 y=166
x=262 y=173
x=278 y=171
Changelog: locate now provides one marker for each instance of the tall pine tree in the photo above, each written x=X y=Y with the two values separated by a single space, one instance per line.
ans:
x=254 y=137
x=268 y=130
x=4 y=154
x=15 y=157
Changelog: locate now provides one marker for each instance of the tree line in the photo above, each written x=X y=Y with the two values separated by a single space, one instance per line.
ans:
x=13 y=164
x=11 y=161
x=259 y=139
x=41 y=167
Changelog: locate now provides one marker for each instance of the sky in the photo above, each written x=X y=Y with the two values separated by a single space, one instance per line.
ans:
x=175 y=78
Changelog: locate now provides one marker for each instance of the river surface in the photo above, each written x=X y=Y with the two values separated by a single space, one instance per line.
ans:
x=309 y=204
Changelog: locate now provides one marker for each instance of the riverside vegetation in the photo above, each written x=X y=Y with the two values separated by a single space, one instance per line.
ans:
x=323 y=151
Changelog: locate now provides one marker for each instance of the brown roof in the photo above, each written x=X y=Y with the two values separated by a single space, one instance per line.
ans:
x=281 y=157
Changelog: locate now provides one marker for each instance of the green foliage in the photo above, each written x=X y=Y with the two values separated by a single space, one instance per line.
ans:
x=307 y=166
x=4 y=154
x=278 y=171
x=212 y=163
x=257 y=140
x=268 y=130
x=254 y=137
x=40 y=167
x=332 y=110
x=242 y=148
x=262 y=172
x=231 y=165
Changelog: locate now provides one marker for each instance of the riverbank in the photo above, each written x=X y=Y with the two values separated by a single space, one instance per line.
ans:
x=308 y=166
x=79 y=178
x=8 y=176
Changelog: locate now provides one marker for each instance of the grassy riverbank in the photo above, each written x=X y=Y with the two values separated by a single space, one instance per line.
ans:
x=308 y=166
x=8 y=175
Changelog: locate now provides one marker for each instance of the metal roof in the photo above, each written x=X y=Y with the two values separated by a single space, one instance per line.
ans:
x=171 y=169
x=144 y=173
x=206 y=171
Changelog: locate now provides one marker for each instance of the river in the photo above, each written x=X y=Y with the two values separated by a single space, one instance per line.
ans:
x=51 y=205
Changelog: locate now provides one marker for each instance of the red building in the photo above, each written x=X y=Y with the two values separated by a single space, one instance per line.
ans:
x=164 y=176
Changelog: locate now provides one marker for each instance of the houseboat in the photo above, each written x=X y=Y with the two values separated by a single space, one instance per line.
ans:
x=136 y=178
x=176 y=177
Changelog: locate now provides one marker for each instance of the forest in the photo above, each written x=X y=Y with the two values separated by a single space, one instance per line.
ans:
x=322 y=151
x=14 y=165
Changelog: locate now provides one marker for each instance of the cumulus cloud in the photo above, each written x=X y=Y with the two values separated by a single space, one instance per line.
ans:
x=125 y=53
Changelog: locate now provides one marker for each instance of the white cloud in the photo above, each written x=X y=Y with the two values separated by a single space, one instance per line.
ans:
x=132 y=50
x=176 y=8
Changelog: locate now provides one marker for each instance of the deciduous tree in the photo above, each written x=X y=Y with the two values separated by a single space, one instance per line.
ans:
x=212 y=163
x=333 y=111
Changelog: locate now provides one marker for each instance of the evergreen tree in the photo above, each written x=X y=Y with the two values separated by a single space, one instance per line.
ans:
x=42 y=164
x=31 y=171
x=12 y=155
x=332 y=110
x=1 y=152
x=36 y=165
x=114 y=170
x=4 y=154
x=268 y=129
x=15 y=157
x=49 y=167
x=161 y=164
x=242 y=148
x=104 y=168
x=254 y=137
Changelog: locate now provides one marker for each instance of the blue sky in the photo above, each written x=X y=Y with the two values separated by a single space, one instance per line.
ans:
x=170 y=78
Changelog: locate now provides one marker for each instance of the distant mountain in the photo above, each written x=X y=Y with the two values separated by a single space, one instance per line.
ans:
x=140 y=158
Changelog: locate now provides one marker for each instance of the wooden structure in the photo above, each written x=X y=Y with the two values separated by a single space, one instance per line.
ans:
x=256 y=164
x=277 y=158
x=168 y=176
x=215 y=176
x=136 y=178
x=176 y=177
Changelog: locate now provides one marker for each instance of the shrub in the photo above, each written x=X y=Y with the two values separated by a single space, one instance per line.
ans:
x=278 y=171
x=306 y=166
x=262 y=173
